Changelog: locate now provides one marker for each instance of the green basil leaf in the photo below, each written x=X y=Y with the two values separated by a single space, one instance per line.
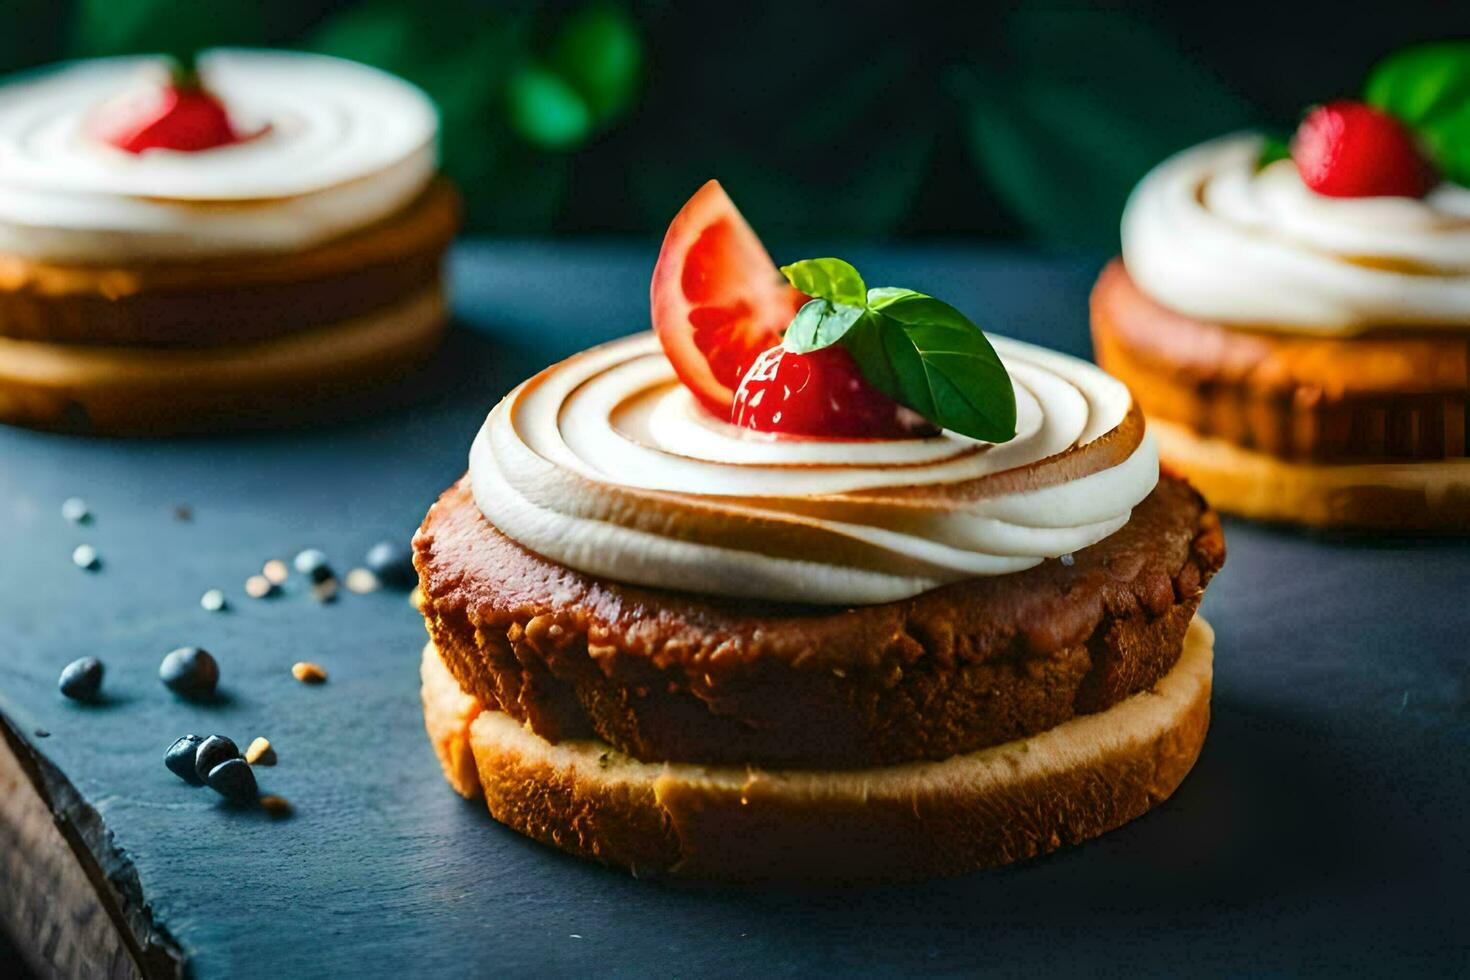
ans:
x=890 y=362
x=881 y=296
x=829 y=279
x=926 y=354
x=1422 y=83
x=819 y=323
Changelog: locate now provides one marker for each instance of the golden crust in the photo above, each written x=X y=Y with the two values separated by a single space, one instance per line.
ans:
x=448 y=713
x=1385 y=396
x=231 y=300
x=992 y=807
x=1381 y=496
x=303 y=377
x=663 y=675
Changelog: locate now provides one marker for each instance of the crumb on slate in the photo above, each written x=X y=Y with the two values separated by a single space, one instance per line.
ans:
x=261 y=752
x=276 y=806
x=308 y=673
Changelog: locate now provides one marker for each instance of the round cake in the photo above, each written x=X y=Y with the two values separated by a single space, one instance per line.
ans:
x=1301 y=355
x=676 y=644
x=279 y=272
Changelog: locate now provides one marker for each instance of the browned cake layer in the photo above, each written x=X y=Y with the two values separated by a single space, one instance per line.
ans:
x=672 y=677
x=1398 y=396
x=233 y=300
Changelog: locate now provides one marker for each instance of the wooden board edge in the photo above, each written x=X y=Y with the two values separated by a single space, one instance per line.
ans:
x=74 y=904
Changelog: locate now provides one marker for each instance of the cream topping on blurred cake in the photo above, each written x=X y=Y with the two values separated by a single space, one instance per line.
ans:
x=1209 y=234
x=340 y=146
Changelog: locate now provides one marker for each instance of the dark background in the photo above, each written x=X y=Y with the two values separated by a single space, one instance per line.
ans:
x=847 y=120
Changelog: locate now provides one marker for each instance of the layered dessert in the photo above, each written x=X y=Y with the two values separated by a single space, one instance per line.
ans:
x=1296 y=320
x=248 y=240
x=814 y=581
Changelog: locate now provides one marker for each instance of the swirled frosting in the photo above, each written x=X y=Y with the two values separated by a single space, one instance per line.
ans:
x=1208 y=235
x=341 y=145
x=606 y=464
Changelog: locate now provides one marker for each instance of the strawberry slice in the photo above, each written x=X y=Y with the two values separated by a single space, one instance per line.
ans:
x=718 y=301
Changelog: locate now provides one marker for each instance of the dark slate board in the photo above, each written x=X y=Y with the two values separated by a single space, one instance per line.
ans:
x=1324 y=829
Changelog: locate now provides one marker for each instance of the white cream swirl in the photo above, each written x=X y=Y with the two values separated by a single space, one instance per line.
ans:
x=343 y=145
x=605 y=464
x=1209 y=236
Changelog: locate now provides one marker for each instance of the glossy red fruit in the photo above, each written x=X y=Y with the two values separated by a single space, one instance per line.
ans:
x=820 y=394
x=1348 y=149
x=176 y=116
x=717 y=299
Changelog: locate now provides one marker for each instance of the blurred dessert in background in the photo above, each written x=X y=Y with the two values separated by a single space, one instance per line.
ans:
x=253 y=242
x=1295 y=320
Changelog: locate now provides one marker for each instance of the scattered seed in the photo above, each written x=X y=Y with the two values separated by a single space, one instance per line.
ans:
x=260 y=753
x=85 y=557
x=392 y=563
x=313 y=564
x=183 y=512
x=42 y=733
x=259 y=587
x=308 y=673
x=182 y=759
x=275 y=571
x=211 y=752
x=325 y=590
x=276 y=806
x=189 y=672
x=362 y=581
x=1068 y=560
x=234 y=780
x=213 y=601
x=75 y=510
x=81 y=680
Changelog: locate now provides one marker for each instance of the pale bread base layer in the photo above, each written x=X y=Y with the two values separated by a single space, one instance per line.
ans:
x=996 y=806
x=283 y=380
x=1432 y=495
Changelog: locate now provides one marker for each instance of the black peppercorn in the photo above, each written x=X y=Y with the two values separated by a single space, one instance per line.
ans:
x=189 y=672
x=81 y=680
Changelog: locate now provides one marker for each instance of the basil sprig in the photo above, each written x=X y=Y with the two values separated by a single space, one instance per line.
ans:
x=917 y=350
x=1428 y=88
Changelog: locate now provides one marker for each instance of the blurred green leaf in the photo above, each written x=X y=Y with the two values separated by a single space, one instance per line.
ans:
x=546 y=110
x=1423 y=83
x=1428 y=88
x=1093 y=100
x=463 y=55
x=599 y=53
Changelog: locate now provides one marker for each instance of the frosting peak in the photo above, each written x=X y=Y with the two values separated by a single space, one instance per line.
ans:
x=606 y=464
x=1208 y=235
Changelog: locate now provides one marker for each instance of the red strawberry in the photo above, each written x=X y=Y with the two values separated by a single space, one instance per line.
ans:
x=820 y=394
x=1348 y=149
x=182 y=115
